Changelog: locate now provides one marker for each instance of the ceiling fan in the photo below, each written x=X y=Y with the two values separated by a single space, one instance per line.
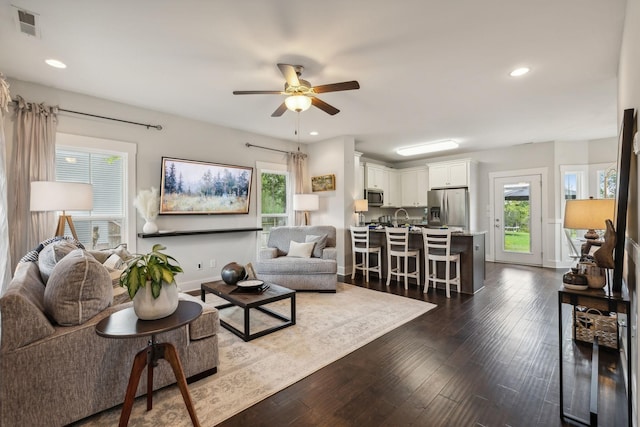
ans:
x=301 y=95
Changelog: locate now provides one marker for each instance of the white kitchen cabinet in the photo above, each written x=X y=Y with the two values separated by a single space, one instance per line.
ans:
x=449 y=174
x=393 y=195
x=376 y=177
x=414 y=186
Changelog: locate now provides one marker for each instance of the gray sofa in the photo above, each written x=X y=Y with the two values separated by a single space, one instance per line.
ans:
x=52 y=375
x=315 y=273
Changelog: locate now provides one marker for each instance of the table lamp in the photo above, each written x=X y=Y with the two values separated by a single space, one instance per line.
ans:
x=61 y=196
x=306 y=203
x=361 y=205
x=588 y=214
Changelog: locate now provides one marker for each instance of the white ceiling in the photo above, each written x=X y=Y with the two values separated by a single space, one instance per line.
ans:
x=428 y=69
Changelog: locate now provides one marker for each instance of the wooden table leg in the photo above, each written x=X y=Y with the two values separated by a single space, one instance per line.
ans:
x=171 y=356
x=139 y=363
x=150 y=365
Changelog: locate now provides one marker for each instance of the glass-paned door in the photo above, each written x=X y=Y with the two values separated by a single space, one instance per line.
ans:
x=518 y=220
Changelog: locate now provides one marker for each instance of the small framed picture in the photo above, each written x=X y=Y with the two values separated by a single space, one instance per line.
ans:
x=323 y=183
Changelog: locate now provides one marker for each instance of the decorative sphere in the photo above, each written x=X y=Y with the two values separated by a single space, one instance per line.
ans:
x=232 y=273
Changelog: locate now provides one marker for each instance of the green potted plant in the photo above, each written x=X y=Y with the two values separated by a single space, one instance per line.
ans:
x=149 y=279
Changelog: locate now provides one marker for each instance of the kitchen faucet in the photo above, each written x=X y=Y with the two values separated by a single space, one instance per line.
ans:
x=395 y=216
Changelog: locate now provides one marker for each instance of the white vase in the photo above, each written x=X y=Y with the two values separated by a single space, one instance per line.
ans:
x=147 y=307
x=149 y=227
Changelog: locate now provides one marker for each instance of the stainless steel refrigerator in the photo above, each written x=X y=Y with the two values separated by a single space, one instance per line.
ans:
x=448 y=207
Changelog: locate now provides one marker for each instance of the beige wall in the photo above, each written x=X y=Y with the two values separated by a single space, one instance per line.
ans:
x=181 y=138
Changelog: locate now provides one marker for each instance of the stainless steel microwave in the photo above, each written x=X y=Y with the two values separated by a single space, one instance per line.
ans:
x=374 y=197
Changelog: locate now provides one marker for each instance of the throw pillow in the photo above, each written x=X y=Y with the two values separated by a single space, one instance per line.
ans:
x=300 y=250
x=51 y=254
x=320 y=241
x=79 y=287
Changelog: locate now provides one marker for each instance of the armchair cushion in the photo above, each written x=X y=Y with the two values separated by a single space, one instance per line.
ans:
x=320 y=241
x=300 y=250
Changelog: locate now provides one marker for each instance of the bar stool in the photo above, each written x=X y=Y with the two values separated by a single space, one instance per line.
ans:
x=398 y=247
x=360 y=244
x=437 y=248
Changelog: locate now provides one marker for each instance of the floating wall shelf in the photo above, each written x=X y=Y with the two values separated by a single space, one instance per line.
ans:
x=195 y=232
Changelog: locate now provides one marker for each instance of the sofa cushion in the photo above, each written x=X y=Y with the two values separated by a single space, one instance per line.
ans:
x=22 y=309
x=51 y=254
x=207 y=324
x=290 y=265
x=300 y=250
x=32 y=255
x=320 y=243
x=79 y=288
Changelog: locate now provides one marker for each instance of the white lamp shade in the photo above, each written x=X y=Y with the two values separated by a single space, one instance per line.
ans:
x=362 y=205
x=588 y=213
x=306 y=202
x=61 y=196
x=298 y=103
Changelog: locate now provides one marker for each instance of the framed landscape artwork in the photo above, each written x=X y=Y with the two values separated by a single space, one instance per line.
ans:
x=195 y=187
x=323 y=183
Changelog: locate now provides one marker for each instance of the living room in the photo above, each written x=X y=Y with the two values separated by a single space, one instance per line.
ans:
x=197 y=139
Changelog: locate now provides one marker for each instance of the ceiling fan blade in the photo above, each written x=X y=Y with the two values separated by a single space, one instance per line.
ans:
x=258 y=92
x=329 y=109
x=289 y=73
x=335 y=87
x=280 y=110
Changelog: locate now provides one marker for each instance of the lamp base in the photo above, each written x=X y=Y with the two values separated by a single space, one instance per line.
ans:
x=591 y=234
x=61 y=225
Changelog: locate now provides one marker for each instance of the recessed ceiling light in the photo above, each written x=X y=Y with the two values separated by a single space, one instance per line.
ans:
x=430 y=147
x=55 y=63
x=519 y=72
x=313 y=133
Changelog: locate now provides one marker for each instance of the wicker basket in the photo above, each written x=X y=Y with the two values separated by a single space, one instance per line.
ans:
x=589 y=323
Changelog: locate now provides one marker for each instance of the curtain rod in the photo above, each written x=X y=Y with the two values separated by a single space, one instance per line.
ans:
x=274 y=149
x=158 y=127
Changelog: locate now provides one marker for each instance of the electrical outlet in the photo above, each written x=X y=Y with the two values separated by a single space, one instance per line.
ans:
x=199 y=266
x=212 y=263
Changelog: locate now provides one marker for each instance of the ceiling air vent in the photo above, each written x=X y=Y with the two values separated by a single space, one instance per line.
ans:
x=27 y=22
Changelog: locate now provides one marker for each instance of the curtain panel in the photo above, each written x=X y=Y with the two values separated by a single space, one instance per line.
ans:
x=32 y=159
x=297 y=170
x=5 y=253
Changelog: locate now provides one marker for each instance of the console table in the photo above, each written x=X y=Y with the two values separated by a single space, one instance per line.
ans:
x=602 y=300
x=125 y=324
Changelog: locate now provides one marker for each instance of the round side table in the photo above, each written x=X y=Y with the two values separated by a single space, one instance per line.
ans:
x=125 y=324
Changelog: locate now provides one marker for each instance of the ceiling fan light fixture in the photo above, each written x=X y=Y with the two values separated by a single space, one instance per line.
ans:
x=298 y=103
x=430 y=147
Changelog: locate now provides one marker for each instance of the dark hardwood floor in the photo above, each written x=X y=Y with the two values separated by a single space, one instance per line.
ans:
x=485 y=360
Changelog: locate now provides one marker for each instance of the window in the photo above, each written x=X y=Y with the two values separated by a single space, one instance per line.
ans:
x=107 y=165
x=607 y=182
x=274 y=205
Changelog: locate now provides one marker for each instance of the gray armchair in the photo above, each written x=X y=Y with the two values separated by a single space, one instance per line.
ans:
x=281 y=265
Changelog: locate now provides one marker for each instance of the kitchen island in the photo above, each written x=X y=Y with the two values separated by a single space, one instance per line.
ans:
x=472 y=257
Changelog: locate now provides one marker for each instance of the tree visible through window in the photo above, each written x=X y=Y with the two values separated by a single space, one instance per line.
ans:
x=274 y=209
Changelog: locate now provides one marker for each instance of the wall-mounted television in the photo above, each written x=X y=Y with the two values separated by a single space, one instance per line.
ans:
x=193 y=187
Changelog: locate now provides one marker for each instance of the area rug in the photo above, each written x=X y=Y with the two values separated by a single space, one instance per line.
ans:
x=328 y=327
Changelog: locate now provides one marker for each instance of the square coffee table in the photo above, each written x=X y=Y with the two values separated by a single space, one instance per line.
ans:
x=237 y=297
